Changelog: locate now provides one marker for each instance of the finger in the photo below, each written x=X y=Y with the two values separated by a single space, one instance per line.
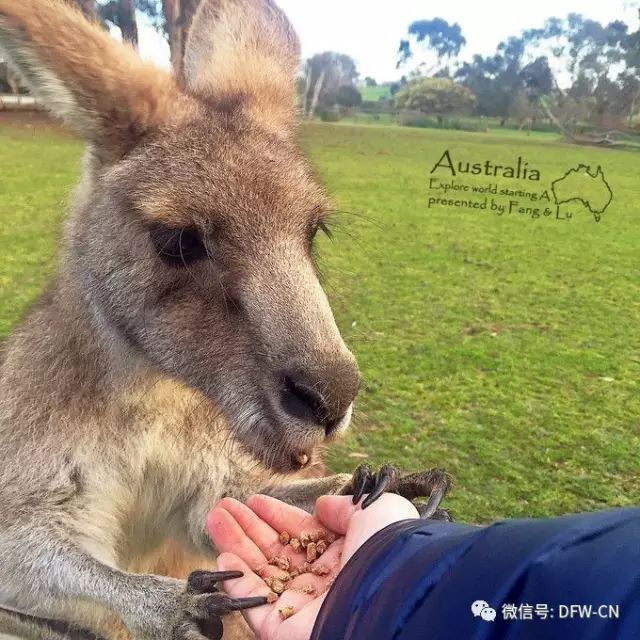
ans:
x=389 y=508
x=281 y=516
x=228 y=535
x=265 y=537
x=249 y=586
x=299 y=625
x=335 y=512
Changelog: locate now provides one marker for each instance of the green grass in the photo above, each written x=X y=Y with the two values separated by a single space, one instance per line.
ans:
x=373 y=94
x=503 y=348
x=37 y=172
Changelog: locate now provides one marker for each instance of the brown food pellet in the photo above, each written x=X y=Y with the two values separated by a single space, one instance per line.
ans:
x=310 y=589
x=276 y=585
x=294 y=543
x=272 y=597
x=330 y=537
x=305 y=539
x=284 y=537
x=281 y=562
x=321 y=547
x=319 y=570
x=286 y=612
x=294 y=573
x=312 y=552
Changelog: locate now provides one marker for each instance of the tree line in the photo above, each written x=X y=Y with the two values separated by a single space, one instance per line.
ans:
x=172 y=17
x=579 y=74
x=576 y=73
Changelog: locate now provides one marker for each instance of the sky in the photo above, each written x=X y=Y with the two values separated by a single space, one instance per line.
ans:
x=370 y=30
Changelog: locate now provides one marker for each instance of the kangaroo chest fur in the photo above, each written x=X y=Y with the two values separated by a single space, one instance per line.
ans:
x=157 y=472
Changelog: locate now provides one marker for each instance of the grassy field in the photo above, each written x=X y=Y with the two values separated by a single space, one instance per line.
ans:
x=505 y=348
x=37 y=170
x=373 y=94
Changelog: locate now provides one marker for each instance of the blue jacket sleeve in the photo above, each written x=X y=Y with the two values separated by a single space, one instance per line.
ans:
x=424 y=580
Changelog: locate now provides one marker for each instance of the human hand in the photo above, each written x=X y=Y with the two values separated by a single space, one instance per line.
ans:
x=249 y=536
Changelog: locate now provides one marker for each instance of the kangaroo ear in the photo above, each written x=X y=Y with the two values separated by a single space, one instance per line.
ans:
x=244 y=52
x=97 y=85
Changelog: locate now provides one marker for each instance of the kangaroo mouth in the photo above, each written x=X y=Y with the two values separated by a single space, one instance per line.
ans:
x=282 y=445
x=281 y=440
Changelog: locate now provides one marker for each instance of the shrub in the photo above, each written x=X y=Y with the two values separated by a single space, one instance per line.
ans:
x=330 y=115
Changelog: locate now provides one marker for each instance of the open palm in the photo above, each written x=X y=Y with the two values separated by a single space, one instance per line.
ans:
x=252 y=534
x=249 y=536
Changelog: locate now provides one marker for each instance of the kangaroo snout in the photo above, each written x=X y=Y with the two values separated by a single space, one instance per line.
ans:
x=325 y=401
x=314 y=376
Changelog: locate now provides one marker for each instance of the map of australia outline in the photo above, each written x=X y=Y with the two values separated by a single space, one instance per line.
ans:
x=580 y=197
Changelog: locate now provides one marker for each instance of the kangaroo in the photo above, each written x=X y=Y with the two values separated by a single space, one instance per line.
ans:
x=185 y=350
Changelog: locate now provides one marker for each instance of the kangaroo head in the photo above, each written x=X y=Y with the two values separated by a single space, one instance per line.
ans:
x=192 y=236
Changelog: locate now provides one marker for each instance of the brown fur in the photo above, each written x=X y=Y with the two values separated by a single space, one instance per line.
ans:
x=263 y=77
x=142 y=388
x=99 y=86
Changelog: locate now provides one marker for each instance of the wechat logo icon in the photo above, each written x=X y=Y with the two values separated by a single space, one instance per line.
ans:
x=482 y=609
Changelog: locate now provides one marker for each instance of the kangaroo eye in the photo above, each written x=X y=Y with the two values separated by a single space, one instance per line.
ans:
x=177 y=247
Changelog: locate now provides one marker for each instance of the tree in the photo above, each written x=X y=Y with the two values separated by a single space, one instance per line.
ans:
x=173 y=17
x=537 y=78
x=440 y=38
x=178 y=15
x=602 y=61
x=152 y=9
x=435 y=96
x=370 y=82
x=88 y=7
x=348 y=97
x=121 y=14
x=317 y=88
x=325 y=74
x=492 y=81
x=394 y=87
x=9 y=81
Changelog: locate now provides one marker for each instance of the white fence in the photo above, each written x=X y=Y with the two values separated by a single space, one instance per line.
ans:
x=11 y=102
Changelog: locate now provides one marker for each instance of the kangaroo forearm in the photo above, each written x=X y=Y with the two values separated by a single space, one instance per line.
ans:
x=45 y=575
x=24 y=626
x=304 y=493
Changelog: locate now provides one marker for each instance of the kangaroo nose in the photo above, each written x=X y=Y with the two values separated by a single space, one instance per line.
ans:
x=302 y=399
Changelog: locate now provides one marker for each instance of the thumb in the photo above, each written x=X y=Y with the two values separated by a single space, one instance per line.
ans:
x=249 y=585
x=335 y=512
